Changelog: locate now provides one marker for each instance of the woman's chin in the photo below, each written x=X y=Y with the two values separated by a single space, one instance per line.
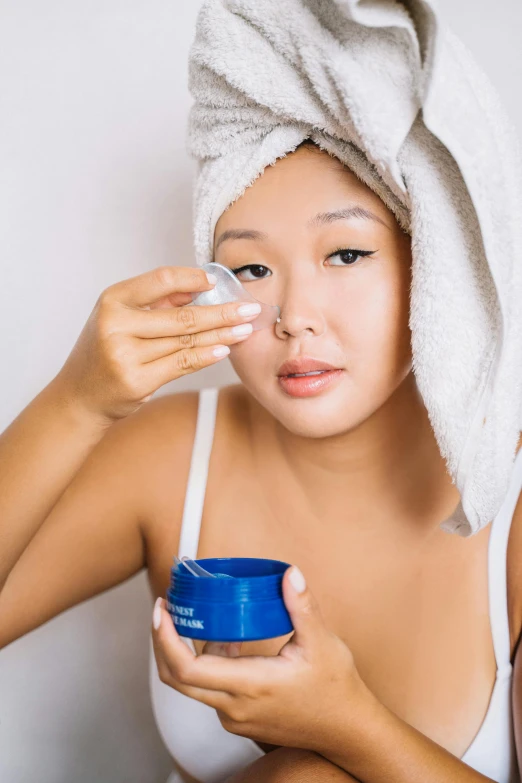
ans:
x=327 y=413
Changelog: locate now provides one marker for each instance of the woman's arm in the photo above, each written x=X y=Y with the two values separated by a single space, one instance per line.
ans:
x=90 y=540
x=96 y=535
x=40 y=452
x=292 y=765
x=383 y=748
x=74 y=463
x=390 y=751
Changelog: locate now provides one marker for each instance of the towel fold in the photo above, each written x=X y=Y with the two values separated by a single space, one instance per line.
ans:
x=392 y=93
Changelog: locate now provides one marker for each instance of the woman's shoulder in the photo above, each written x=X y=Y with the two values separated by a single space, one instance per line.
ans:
x=171 y=418
x=177 y=413
x=160 y=437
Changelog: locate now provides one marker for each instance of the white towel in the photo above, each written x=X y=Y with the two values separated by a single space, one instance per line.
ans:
x=397 y=97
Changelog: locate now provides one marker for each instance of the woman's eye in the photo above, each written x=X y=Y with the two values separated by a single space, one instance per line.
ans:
x=250 y=272
x=349 y=256
x=257 y=272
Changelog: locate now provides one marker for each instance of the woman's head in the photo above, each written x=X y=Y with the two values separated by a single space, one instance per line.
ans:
x=291 y=239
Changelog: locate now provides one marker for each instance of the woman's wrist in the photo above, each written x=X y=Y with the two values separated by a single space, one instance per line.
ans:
x=63 y=398
x=357 y=733
x=352 y=738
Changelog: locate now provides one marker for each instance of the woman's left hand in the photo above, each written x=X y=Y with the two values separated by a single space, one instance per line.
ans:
x=303 y=697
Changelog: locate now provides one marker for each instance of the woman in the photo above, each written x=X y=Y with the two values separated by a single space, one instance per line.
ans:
x=338 y=473
x=402 y=666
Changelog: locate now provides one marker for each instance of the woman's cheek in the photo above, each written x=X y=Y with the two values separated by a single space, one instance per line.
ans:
x=253 y=358
x=376 y=335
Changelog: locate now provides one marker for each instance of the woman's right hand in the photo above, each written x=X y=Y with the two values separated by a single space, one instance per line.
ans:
x=125 y=352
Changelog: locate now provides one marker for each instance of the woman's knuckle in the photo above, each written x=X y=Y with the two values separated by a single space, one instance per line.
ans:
x=119 y=352
x=111 y=356
x=186 y=361
x=227 y=315
x=196 y=277
x=187 y=317
x=164 y=674
x=164 y=677
x=164 y=275
x=131 y=382
x=187 y=340
x=183 y=673
x=308 y=608
x=105 y=322
x=264 y=691
x=228 y=723
x=238 y=713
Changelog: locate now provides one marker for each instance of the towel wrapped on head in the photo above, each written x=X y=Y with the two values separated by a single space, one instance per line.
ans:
x=387 y=89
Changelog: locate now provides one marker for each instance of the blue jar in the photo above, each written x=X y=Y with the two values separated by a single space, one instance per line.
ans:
x=246 y=608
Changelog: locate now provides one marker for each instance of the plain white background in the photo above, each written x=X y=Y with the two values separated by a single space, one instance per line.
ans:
x=96 y=187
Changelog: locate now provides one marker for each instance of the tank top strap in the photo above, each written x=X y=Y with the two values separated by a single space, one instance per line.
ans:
x=197 y=480
x=497 y=569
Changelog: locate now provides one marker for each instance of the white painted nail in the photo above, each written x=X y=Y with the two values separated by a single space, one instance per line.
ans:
x=249 y=309
x=212 y=279
x=297 y=579
x=242 y=329
x=156 y=614
x=221 y=350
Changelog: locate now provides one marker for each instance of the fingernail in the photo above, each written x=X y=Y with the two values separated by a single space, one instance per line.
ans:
x=212 y=279
x=156 y=614
x=221 y=350
x=242 y=329
x=297 y=579
x=249 y=309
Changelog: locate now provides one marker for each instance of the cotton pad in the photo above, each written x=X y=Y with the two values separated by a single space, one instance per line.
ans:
x=229 y=289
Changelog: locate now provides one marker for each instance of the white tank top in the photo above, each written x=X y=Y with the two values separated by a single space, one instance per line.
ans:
x=192 y=731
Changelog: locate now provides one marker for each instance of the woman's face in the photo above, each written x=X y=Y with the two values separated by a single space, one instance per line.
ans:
x=294 y=244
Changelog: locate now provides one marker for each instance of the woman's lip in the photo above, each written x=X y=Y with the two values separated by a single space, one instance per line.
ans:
x=309 y=385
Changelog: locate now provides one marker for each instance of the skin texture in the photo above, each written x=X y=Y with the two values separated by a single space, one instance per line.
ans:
x=349 y=485
x=292 y=765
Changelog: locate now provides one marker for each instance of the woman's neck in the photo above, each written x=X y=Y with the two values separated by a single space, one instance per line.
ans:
x=389 y=467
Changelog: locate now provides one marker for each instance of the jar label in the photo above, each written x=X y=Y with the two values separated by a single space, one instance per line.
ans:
x=183 y=615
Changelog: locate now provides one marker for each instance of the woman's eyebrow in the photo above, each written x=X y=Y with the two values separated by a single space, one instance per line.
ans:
x=240 y=233
x=323 y=218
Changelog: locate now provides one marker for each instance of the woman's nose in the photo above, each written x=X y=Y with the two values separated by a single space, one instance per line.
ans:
x=301 y=310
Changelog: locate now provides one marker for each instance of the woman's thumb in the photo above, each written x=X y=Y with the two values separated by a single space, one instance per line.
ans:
x=302 y=607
